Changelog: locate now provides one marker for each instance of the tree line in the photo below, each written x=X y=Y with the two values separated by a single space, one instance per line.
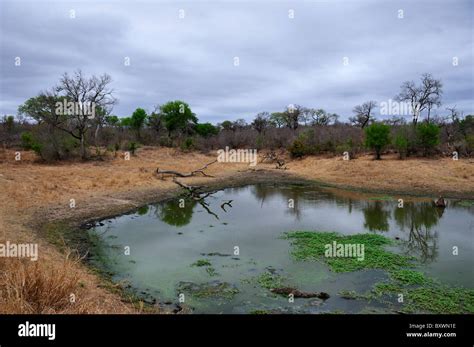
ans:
x=59 y=132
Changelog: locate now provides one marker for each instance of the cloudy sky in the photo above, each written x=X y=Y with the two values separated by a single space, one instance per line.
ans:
x=282 y=60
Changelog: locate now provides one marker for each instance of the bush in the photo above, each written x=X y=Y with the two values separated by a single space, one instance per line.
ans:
x=427 y=136
x=187 y=144
x=297 y=149
x=29 y=143
x=401 y=145
x=377 y=136
x=206 y=129
x=132 y=147
x=344 y=147
x=470 y=143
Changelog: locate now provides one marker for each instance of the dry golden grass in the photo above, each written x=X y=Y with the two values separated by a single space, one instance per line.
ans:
x=37 y=287
x=27 y=187
x=414 y=175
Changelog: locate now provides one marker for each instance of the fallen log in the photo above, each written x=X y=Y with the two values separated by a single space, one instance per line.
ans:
x=190 y=174
x=299 y=294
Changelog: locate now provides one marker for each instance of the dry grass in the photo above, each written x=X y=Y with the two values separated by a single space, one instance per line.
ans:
x=37 y=287
x=27 y=187
x=416 y=175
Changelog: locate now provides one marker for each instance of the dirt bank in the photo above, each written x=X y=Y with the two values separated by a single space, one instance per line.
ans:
x=34 y=194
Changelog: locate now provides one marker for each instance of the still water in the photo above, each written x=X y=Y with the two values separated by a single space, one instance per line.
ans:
x=242 y=240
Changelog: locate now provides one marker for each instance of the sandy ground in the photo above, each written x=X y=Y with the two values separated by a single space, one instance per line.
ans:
x=33 y=193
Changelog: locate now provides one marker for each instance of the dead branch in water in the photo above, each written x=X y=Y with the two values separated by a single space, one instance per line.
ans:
x=195 y=192
x=196 y=195
x=191 y=189
x=180 y=174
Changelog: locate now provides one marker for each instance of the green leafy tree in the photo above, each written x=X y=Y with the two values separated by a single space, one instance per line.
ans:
x=377 y=136
x=227 y=125
x=401 y=144
x=206 y=129
x=428 y=136
x=178 y=117
x=138 y=120
x=126 y=122
x=277 y=119
x=112 y=120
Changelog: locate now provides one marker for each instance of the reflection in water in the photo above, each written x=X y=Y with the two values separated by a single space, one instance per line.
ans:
x=376 y=217
x=419 y=219
x=173 y=214
x=143 y=210
x=170 y=236
x=290 y=196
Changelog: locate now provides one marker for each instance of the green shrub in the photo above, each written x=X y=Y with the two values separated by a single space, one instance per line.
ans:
x=206 y=129
x=187 y=144
x=377 y=136
x=297 y=149
x=132 y=147
x=344 y=147
x=401 y=145
x=427 y=137
x=28 y=142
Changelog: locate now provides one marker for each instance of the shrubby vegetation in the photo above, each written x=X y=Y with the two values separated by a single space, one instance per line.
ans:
x=300 y=130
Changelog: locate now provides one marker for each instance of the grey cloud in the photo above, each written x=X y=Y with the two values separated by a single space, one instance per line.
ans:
x=282 y=60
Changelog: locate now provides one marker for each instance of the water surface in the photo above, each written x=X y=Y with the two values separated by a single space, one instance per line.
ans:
x=165 y=239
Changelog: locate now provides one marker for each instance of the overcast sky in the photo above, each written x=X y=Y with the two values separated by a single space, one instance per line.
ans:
x=282 y=60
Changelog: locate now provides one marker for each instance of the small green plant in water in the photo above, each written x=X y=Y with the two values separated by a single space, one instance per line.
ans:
x=211 y=271
x=270 y=280
x=202 y=262
x=409 y=277
x=312 y=245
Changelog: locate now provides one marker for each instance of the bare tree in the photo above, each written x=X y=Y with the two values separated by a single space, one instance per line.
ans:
x=423 y=97
x=320 y=116
x=260 y=122
x=83 y=91
x=156 y=121
x=363 y=114
x=453 y=113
